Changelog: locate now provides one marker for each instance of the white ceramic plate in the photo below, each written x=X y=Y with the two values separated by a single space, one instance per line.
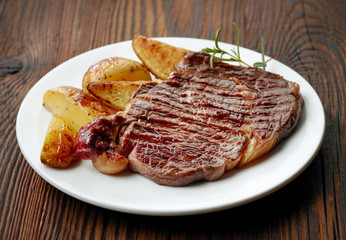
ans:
x=132 y=193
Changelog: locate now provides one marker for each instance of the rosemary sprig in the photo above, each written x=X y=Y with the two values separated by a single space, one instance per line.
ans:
x=234 y=55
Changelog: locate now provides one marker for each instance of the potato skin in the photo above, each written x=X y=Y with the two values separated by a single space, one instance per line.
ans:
x=114 y=94
x=58 y=149
x=115 y=69
x=74 y=106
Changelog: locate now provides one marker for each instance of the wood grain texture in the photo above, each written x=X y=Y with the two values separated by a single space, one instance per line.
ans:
x=307 y=35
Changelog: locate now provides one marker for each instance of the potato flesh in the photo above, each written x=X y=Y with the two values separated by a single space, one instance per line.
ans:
x=74 y=106
x=58 y=147
x=115 y=69
x=160 y=58
x=114 y=94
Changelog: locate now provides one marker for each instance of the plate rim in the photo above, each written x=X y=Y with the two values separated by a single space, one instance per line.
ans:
x=161 y=212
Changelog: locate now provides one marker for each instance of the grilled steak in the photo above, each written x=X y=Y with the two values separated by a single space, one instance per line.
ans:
x=203 y=121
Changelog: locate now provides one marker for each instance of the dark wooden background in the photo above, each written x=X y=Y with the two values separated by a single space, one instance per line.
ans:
x=307 y=35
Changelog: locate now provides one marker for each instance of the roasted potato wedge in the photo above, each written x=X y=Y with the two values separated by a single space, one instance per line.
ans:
x=74 y=106
x=114 y=94
x=58 y=148
x=115 y=69
x=157 y=56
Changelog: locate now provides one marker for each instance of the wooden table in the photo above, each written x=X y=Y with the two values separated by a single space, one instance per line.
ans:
x=308 y=36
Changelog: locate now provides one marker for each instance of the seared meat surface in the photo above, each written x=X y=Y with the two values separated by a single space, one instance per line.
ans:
x=203 y=121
